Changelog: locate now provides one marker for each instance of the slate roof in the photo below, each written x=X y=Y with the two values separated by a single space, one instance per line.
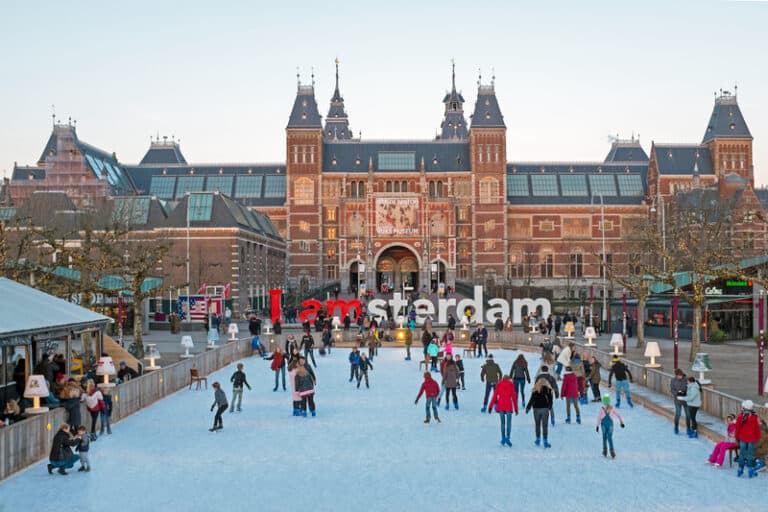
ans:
x=42 y=205
x=762 y=195
x=454 y=126
x=25 y=311
x=438 y=156
x=564 y=183
x=487 y=113
x=682 y=159
x=27 y=173
x=138 y=211
x=626 y=151
x=726 y=121
x=305 y=113
x=167 y=153
x=337 y=121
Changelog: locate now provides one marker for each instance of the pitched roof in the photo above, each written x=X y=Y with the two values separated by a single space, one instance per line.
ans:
x=25 y=310
x=726 y=121
x=305 y=113
x=487 y=113
x=395 y=156
x=683 y=159
x=337 y=121
x=626 y=151
x=163 y=152
x=454 y=126
x=27 y=173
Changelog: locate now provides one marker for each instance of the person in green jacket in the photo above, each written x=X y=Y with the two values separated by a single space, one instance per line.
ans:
x=490 y=373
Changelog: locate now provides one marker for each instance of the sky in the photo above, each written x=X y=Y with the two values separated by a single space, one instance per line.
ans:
x=222 y=76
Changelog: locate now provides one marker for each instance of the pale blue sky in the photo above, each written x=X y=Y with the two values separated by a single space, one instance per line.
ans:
x=221 y=76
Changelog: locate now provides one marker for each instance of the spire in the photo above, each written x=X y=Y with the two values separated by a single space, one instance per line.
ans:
x=487 y=113
x=337 y=121
x=454 y=126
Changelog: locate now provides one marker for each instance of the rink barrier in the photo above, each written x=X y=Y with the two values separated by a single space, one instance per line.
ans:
x=26 y=442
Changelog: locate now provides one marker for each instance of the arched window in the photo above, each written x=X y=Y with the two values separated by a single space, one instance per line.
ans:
x=404 y=186
x=431 y=189
x=439 y=189
x=304 y=191
x=397 y=187
x=389 y=186
x=361 y=189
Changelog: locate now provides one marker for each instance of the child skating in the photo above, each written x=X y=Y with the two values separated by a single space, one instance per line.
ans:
x=220 y=401
x=431 y=389
x=83 y=447
x=605 y=420
x=362 y=370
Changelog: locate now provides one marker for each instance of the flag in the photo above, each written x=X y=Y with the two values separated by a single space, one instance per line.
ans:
x=196 y=305
x=227 y=290
x=201 y=291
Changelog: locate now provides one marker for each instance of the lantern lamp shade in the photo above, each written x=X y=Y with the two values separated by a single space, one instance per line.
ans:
x=152 y=352
x=590 y=333
x=617 y=340
x=105 y=366
x=186 y=341
x=336 y=321
x=701 y=363
x=36 y=387
x=569 y=327
x=233 y=329
x=652 y=349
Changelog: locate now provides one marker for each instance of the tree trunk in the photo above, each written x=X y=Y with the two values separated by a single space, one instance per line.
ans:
x=640 y=327
x=138 y=320
x=695 y=338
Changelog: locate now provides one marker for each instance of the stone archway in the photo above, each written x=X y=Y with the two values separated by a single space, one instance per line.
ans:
x=395 y=266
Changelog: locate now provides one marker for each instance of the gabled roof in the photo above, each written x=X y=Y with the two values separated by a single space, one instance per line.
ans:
x=305 y=113
x=163 y=152
x=726 y=121
x=25 y=311
x=21 y=173
x=487 y=113
x=683 y=159
x=395 y=156
x=626 y=151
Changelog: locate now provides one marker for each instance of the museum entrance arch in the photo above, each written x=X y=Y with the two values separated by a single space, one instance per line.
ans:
x=397 y=266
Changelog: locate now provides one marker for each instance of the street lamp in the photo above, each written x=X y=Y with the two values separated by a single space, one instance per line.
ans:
x=675 y=322
x=624 y=319
x=605 y=264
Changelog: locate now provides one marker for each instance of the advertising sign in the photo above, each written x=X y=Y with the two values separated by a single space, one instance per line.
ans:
x=397 y=216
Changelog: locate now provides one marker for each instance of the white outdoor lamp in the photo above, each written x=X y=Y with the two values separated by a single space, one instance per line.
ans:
x=187 y=343
x=569 y=329
x=36 y=389
x=653 y=351
x=617 y=342
x=105 y=367
x=701 y=364
x=336 y=322
x=152 y=355
x=233 y=331
x=464 y=332
x=590 y=334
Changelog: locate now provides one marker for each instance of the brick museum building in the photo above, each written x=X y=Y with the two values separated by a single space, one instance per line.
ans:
x=451 y=210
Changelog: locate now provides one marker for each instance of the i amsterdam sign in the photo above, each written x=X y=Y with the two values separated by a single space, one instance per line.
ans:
x=377 y=308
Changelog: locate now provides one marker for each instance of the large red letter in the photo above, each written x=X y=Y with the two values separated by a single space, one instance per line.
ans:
x=344 y=307
x=312 y=307
x=274 y=302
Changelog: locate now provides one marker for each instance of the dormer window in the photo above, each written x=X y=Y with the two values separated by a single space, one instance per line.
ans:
x=732 y=126
x=357 y=160
x=333 y=160
x=487 y=115
x=487 y=102
x=434 y=160
x=303 y=115
x=303 y=103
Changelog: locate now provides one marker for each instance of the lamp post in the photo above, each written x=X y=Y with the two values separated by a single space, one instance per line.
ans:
x=591 y=304
x=624 y=320
x=189 y=308
x=761 y=319
x=602 y=234
x=675 y=322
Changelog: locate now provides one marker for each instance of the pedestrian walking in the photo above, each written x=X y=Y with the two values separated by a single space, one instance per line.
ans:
x=219 y=402
x=505 y=400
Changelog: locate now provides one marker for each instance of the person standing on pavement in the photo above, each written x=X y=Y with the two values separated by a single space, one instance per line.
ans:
x=678 y=387
x=490 y=373
x=623 y=378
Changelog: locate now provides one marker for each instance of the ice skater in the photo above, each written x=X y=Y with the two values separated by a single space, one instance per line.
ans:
x=505 y=399
x=520 y=376
x=605 y=420
x=431 y=389
x=61 y=455
x=541 y=403
x=220 y=400
x=490 y=373
x=432 y=351
x=460 y=366
x=622 y=373
x=278 y=366
x=450 y=374
x=305 y=388
x=354 y=363
x=747 y=435
x=362 y=370
x=83 y=447
x=717 y=457
x=544 y=374
x=692 y=400
x=308 y=344
x=238 y=380
x=570 y=393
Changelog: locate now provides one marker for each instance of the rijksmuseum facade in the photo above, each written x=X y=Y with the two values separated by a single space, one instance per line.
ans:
x=453 y=209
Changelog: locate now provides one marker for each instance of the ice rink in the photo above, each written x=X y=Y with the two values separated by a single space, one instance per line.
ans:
x=368 y=449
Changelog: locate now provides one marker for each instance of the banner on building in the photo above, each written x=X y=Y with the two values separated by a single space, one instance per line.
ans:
x=397 y=216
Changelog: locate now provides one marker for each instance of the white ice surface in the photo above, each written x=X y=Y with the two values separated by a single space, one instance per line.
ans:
x=369 y=450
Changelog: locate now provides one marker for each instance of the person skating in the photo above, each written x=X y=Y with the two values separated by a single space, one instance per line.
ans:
x=505 y=400
x=362 y=370
x=541 y=403
x=308 y=344
x=490 y=373
x=354 y=363
x=482 y=340
x=327 y=341
x=278 y=366
x=564 y=359
x=431 y=389
x=238 y=380
x=450 y=375
x=717 y=457
x=678 y=388
x=605 y=421
x=570 y=393
x=220 y=401
x=622 y=373
x=83 y=448
x=520 y=376
x=432 y=351
x=692 y=400
x=305 y=387
x=594 y=377
x=747 y=435
x=460 y=366
x=61 y=455
x=544 y=374
x=577 y=366
x=409 y=341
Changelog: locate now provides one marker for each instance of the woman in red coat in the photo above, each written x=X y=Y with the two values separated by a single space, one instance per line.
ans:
x=505 y=398
x=747 y=435
x=277 y=366
x=570 y=392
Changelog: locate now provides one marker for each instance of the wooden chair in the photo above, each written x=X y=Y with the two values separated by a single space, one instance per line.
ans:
x=730 y=455
x=424 y=362
x=470 y=351
x=194 y=376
